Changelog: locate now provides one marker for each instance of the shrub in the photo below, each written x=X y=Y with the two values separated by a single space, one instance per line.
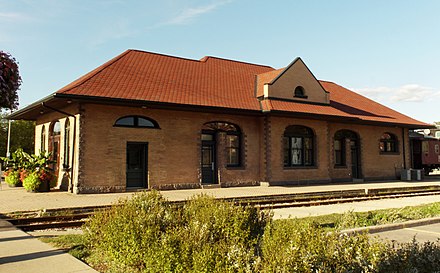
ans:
x=148 y=234
x=220 y=236
x=412 y=257
x=205 y=235
x=130 y=233
x=289 y=246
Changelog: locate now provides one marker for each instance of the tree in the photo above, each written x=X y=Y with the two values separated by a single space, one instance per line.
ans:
x=22 y=135
x=10 y=81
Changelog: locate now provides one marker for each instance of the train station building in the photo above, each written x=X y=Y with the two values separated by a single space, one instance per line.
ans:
x=147 y=120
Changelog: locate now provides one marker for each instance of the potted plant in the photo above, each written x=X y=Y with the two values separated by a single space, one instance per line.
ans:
x=15 y=168
x=32 y=171
x=32 y=182
x=12 y=178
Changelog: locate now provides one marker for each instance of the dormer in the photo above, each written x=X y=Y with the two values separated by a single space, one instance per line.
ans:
x=295 y=83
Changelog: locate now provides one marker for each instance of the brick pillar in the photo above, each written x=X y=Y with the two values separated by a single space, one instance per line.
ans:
x=221 y=154
x=268 y=148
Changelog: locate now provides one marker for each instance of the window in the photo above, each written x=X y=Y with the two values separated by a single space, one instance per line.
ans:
x=66 y=162
x=136 y=122
x=298 y=145
x=299 y=92
x=56 y=128
x=233 y=140
x=43 y=139
x=388 y=143
x=339 y=146
x=54 y=143
x=233 y=149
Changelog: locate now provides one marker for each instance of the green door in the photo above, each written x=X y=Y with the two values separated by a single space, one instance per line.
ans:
x=137 y=155
x=209 y=174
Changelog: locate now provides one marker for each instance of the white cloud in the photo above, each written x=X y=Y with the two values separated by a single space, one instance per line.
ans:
x=12 y=16
x=404 y=93
x=189 y=14
x=119 y=29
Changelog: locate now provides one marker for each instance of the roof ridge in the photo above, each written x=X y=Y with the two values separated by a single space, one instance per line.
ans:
x=329 y=82
x=164 y=55
x=205 y=59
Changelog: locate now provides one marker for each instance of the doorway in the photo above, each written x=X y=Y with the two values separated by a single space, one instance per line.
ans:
x=54 y=145
x=208 y=160
x=344 y=140
x=355 y=159
x=137 y=165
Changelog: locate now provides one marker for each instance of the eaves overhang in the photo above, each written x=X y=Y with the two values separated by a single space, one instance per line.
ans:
x=349 y=120
x=31 y=111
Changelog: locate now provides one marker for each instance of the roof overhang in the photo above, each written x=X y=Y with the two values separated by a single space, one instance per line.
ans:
x=350 y=120
x=59 y=101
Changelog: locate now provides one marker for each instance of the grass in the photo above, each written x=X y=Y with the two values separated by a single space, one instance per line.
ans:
x=74 y=244
x=378 y=217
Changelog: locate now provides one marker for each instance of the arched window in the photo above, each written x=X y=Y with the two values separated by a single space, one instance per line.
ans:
x=299 y=146
x=233 y=140
x=66 y=162
x=299 y=92
x=388 y=143
x=54 y=143
x=43 y=139
x=55 y=128
x=339 y=145
x=136 y=122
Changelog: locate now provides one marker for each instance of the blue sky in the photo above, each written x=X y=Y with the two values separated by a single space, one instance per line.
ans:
x=386 y=50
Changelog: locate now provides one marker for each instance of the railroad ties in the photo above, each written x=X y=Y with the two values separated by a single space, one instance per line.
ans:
x=76 y=217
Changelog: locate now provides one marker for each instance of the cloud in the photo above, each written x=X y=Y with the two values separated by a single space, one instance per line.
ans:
x=404 y=93
x=189 y=14
x=12 y=16
x=119 y=29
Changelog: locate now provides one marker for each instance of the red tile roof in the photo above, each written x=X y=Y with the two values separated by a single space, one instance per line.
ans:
x=215 y=82
x=153 y=77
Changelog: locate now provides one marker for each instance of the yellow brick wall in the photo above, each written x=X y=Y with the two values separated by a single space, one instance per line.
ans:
x=298 y=174
x=374 y=164
x=63 y=175
x=174 y=150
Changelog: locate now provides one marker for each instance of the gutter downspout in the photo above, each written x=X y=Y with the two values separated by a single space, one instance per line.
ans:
x=74 y=140
x=403 y=149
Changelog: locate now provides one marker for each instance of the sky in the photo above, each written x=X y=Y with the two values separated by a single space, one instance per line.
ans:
x=387 y=50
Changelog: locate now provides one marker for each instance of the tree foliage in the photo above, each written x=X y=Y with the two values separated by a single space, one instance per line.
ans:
x=22 y=135
x=10 y=81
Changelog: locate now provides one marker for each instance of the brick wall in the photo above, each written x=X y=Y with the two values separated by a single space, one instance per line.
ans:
x=98 y=149
x=174 y=150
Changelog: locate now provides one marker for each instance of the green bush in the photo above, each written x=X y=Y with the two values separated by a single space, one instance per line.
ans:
x=220 y=236
x=290 y=246
x=32 y=182
x=12 y=178
x=412 y=257
x=146 y=234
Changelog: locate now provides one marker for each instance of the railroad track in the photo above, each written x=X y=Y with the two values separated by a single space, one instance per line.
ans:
x=76 y=217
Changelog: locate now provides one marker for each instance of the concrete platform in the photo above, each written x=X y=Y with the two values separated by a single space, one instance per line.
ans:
x=22 y=253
